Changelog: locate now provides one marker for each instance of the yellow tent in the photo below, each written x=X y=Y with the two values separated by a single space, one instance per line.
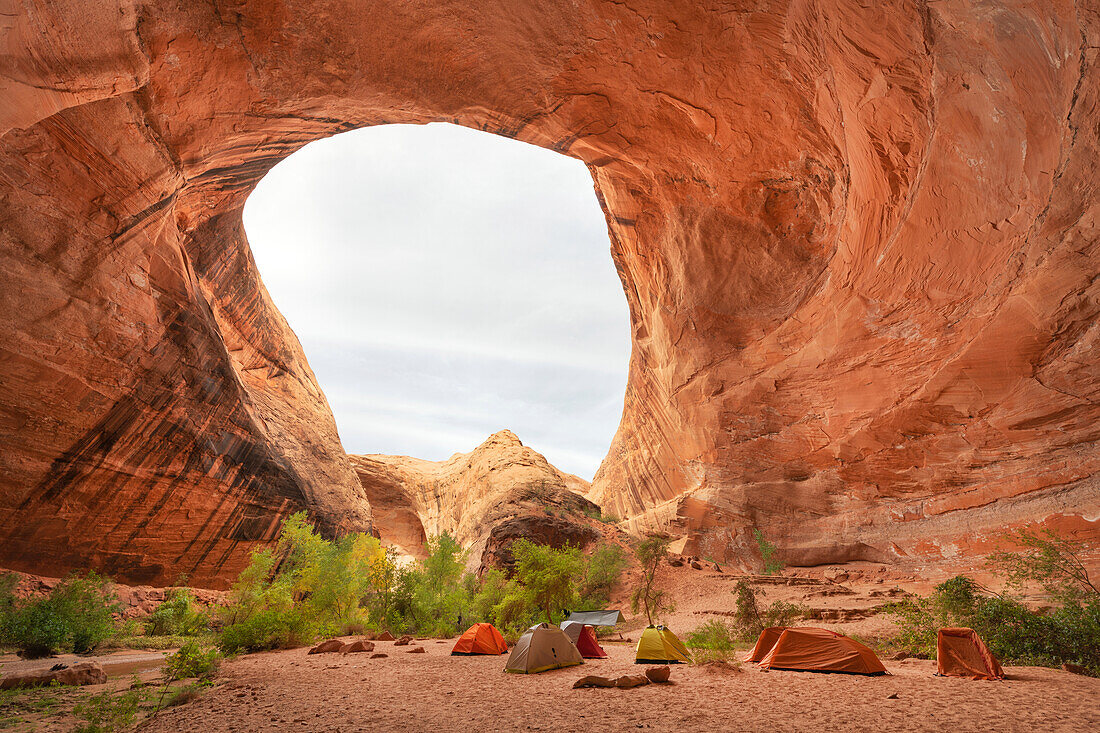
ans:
x=658 y=645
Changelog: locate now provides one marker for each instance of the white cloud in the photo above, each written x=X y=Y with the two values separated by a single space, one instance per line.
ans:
x=445 y=284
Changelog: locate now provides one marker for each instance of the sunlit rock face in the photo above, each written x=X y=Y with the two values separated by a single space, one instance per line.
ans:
x=486 y=499
x=859 y=245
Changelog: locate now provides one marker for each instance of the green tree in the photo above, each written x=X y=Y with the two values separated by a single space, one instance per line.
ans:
x=547 y=574
x=601 y=572
x=650 y=552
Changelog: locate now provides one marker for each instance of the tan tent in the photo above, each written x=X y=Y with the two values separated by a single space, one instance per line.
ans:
x=821 y=650
x=765 y=642
x=962 y=653
x=541 y=648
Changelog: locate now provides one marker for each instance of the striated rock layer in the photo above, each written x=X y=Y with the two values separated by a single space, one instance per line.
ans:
x=858 y=242
x=486 y=499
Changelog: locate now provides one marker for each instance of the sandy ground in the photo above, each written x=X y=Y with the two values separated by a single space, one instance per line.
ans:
x=289 y=690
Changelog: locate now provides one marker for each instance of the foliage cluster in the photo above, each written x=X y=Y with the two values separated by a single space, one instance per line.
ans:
x=178 y=615
x=307 y=586
x=109 y=711
x=193 y=660
x=1068 y=632
x=772 y=564
x=748 y=621
x=76 y=616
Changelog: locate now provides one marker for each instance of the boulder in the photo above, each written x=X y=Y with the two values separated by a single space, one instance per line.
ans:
x=416 y=650
x=658 y=674
x=593 y=681
x=836 y=575
x=85 y=673
x=357 y=646
x=327 y=647
x=403 y=641
x=384 y=636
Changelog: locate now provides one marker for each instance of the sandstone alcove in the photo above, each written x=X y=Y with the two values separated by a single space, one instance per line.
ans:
x=858 y=243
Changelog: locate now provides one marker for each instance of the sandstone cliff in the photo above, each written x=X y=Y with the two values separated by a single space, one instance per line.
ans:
x=485 y=499
x=858 y=241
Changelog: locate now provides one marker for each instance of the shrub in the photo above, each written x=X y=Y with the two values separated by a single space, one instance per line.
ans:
x=193 y=660
x=601 y=573
x=176 y=616
x=1013 y=632
x=76 y=616
x=304 y=587
x=772 y=564
x=647 y=596
x=107 y=712
x=715 y=635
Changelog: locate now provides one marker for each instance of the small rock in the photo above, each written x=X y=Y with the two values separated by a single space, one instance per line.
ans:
x=379 y=655
x=695 y=565
x=899 y=656
x=416 y=650
x=384 y=636
x=403 y=641
x=593 y=681
x=327 y=647
x=357 y=646
x=676 y=561
x=658 y=674
x=894 y=696
x=836 y=575
x=1074 y=668
x=627 y=681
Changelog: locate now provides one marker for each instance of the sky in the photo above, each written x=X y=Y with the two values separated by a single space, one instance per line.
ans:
x=445 y=284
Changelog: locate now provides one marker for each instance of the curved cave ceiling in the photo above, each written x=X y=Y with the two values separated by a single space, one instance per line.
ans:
x=859 y=246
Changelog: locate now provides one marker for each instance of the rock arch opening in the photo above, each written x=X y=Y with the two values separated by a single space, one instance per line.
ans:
x=446 y=283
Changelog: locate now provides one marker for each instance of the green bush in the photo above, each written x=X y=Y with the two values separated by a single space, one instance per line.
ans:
x=193 y=660
x=176 y=616
x=772 y=564
x=304 y=587
x=601 y=573
x=715 y=635
x=108 y=712
x=76 y=616
x=1013 y=632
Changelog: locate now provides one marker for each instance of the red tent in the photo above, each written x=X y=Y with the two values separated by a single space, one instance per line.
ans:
x=584 y=638
x=480 y=639
x=962 y=653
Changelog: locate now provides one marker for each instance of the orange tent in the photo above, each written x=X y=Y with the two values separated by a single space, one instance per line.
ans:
x=764 y=644
x=821 y=650
x=584 y=638
x=480 y=639
x=962 y=653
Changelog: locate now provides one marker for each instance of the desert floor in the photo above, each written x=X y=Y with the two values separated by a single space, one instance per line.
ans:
x=290 y=690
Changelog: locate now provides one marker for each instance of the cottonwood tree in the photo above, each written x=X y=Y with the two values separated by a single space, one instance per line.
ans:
x=647 y=596
x=547 y=575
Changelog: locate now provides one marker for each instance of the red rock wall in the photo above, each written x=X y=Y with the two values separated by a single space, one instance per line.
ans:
x=858 y=244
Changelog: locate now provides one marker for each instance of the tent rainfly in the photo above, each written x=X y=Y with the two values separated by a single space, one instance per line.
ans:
x=765 y=642
x=541 y=648
x=584 y=638
x=820 y=650
x=480 y=639
x=596 y=618
x=658 y=645
x=962 y=653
